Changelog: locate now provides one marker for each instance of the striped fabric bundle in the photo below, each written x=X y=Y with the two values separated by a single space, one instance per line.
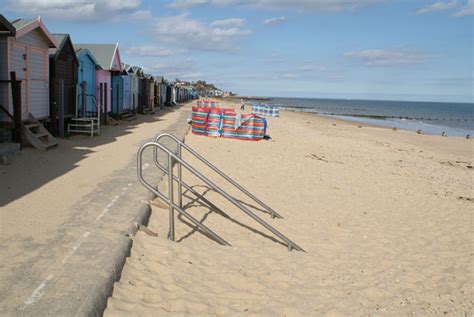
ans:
x=219 y=122
x=243 y=127
x=214 y=122
x=207 y=103
x=266 y=110
x=200 y=117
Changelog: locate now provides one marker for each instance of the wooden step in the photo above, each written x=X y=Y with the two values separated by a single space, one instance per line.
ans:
x=51 y=144
x=41 y=134
x=89 y=126
x=82 y=125
x=128 y=116
x=41 y=139
x=85 y=119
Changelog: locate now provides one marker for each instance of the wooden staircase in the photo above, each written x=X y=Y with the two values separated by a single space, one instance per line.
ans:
x=128 y=116
x=148 y=110
x=35 y=134
x=89 y=126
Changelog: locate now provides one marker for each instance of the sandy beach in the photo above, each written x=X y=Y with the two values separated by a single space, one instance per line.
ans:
x=63 y=210
x=385 y=218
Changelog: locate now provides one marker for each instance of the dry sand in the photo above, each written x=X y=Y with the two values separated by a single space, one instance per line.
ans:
x=40 y=192
x=385 y=218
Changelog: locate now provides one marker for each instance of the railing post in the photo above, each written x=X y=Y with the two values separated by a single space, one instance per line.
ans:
x=17 y=107
x=180 y=177
x=170 y=197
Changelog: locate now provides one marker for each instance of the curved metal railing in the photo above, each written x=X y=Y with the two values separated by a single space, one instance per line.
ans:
x=172 y=157
x=169 y=200
x=181 y=145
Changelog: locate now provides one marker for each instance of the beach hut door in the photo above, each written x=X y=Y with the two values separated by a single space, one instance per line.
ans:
x=20 y=66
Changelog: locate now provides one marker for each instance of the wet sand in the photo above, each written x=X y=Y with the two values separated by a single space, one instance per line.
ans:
x=385 y=218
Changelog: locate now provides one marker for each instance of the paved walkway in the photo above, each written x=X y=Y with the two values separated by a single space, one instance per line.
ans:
x=65 y=215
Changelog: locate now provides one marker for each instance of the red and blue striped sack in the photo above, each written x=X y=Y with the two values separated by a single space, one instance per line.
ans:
x=243 y=127
x=199 y=120
x=266 y=110
x=207 y=121
x=214 y=122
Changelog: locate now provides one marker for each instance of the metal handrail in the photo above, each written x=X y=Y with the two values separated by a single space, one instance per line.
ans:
x=95 y=104
x=169 y=200
x=215 y=169
x=177 y=157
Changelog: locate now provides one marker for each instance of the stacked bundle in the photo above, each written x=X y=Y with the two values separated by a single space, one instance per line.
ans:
x=219 y=122
x=243 y=127
x=266 y=110
x=207 y=103
x=214 y=122
x=200 y=117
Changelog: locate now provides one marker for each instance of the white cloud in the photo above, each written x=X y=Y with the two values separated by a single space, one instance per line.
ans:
x=184 y=4
x=75 y=10
x=438 y=6
x=234 y=22
x=141 y=15
x=148 y=50
x=388 y=57
x=462 y=9
x=273 y=21
x=466 y=10
x=300 y=5
x=288 y=76
x=312 y=67
x=182 y=69
x=121 y=4
x=185 y=32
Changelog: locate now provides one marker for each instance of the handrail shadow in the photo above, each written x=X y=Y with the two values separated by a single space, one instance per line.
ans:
x=240 y=201
x=196 y=202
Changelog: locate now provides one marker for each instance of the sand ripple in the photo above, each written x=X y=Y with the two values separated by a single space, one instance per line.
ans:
x=379 y=216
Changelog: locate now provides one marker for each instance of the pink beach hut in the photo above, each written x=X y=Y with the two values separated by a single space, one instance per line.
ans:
x=108 y=58
x=26 y=53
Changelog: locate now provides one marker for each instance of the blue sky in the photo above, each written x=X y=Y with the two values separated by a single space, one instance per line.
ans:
x=365 y=49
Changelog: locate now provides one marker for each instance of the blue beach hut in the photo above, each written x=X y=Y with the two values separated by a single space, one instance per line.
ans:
x=122 y=92
x=86 y=102
x=135 y=73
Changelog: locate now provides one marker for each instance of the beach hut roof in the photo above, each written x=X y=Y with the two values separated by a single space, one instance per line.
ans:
x=61 y=40
x=19 y=23
x=125 y=68
x=6 y=28
x=84 y=51
x=25 y=26
x=103 y=53
x=137 y=70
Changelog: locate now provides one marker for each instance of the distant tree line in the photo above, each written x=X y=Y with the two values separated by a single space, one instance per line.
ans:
x=202 y=87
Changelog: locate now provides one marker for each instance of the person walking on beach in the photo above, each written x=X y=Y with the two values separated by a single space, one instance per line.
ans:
x=242 y=107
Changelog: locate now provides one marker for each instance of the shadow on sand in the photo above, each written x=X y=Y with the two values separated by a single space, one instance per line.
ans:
x=200 y=200
x=32 y=169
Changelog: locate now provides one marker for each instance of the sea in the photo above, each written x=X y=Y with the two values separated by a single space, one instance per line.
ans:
x=454 y=119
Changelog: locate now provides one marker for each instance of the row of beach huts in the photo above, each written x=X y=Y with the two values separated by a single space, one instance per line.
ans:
x=51 y=86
